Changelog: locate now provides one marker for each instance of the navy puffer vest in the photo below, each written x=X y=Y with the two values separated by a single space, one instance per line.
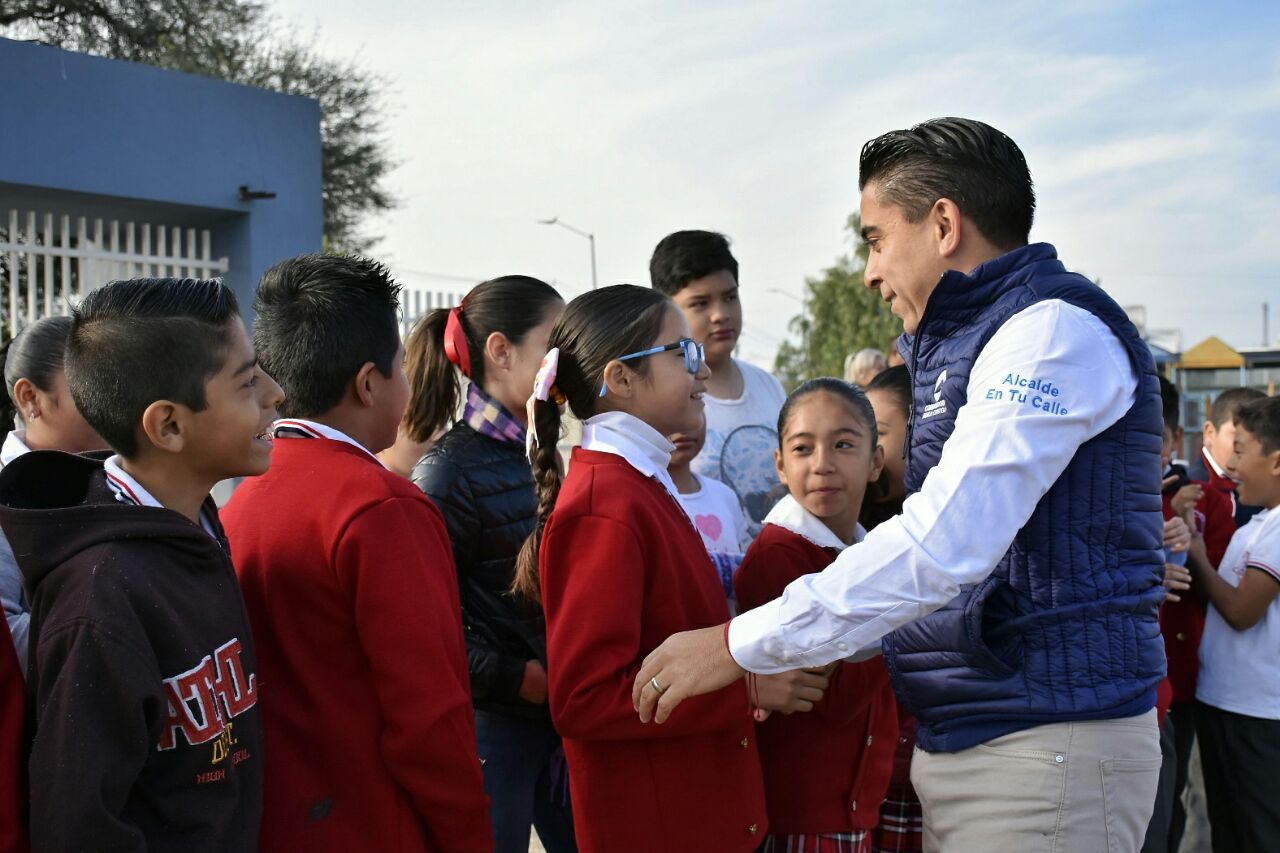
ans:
x=1066 y=627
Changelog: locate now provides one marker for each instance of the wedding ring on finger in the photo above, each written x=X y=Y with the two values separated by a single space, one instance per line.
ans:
x=656 y=686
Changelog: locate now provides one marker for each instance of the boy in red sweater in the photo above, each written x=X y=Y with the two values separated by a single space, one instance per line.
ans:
x=825 y=773
x=351 y=588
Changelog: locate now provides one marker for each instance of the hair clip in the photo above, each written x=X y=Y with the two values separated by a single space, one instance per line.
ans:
x=455 y=342
x=545 y=390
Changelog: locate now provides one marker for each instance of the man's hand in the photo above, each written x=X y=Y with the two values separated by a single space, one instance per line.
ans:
x=788 y=692
x=690 y=663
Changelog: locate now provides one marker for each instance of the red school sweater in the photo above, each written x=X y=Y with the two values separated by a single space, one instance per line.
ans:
x=1182 y=622
x=350 y=585
x=622 y=569
x=825 y=771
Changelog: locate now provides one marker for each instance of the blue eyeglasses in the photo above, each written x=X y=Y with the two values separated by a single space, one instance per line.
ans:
x=694 y=357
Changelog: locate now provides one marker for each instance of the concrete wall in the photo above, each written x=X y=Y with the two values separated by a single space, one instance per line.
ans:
x=92 y=136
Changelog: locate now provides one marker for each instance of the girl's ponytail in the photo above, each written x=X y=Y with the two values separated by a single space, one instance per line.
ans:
x=449 y=338
x=434 y=389
x=594 y=329
x=547 y=479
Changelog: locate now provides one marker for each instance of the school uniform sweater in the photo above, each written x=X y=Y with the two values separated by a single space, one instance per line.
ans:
x=144 y=689
x=622 y=569
x=825 y=771
x=350 y=585
x=1182 y=622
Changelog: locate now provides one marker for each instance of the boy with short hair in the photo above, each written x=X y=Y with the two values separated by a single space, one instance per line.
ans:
x=351 y=587
x=697 y=270
x=143 y=678
x=1239 y=686
x=1219 y=435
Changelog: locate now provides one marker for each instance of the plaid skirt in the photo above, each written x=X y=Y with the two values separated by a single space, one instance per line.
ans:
x=844 y=842
x=901 y=828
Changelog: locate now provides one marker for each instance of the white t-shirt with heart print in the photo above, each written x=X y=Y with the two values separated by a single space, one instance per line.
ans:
x=716 y=513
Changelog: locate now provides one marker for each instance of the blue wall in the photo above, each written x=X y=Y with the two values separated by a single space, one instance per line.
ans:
x=103 y=135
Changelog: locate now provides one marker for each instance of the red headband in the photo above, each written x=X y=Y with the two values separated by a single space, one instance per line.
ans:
x=455 y=342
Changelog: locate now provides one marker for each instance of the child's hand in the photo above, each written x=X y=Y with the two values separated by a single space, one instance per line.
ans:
x=788 y=692
x=533 y=689
x=1183 y=503
x=1176 y=579
x=1177 y=535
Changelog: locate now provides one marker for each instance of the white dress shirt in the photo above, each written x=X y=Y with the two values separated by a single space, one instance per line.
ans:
x=1051 y=378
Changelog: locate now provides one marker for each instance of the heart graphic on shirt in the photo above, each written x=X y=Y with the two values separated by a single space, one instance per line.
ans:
x=710 y=525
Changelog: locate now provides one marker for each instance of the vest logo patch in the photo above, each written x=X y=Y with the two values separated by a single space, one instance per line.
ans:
x=939 y=405
x=203 y=700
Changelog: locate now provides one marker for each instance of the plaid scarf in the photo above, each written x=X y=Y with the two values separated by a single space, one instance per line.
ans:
x=488 y=417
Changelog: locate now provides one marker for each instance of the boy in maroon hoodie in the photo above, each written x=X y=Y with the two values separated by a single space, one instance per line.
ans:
x=143 y=681
x=351 y=588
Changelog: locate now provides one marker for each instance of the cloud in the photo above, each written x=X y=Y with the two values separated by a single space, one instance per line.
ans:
x=1150 y=147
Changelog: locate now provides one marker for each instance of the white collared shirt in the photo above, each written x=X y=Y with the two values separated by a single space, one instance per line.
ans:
x=313 y=429
x=15 y=445
x=128 y=490
x=644 y=448
x=1010 y=444
x=790 y=514
x=1208 y=460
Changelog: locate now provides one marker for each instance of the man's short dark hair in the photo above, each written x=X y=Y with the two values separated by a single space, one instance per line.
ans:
x=1169 y=399
x=687 y=256
x=141 y=340
x=1229 y=402
x=1261 y=419
x=320 y=319
x=971 y=163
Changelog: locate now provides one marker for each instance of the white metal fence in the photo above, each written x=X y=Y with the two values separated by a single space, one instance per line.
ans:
x=417 y=301
x=48 y=262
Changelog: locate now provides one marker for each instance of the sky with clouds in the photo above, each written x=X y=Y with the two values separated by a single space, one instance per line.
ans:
x=1151 y=129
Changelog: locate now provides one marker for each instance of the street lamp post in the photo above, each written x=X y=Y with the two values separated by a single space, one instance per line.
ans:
x=591 y=238
x=804 y=318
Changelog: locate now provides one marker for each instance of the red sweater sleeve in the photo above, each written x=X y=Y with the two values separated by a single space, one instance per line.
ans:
x=594 y=639
x=396 y=561
x=1219 y=523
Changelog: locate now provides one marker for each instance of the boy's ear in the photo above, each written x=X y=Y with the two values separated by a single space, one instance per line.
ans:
x=165 y=425
x=618 y=377
x=499 y=350
x=1209 y=431
x=363 y=383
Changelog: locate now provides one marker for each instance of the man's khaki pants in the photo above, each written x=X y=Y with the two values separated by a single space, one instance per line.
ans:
x=1085 y=787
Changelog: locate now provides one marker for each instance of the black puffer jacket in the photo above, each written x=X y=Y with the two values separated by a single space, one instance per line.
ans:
x=484 y=488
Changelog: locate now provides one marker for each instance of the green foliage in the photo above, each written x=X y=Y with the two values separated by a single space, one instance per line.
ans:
x=842 y=315
x=235 y=40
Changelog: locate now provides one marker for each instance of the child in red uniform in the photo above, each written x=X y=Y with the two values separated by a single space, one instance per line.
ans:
x=825 y=773
x=901 y=821
x=351 y=588
x=619 y=567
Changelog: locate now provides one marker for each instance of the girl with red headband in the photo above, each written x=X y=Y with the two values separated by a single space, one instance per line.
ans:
x=477 y=473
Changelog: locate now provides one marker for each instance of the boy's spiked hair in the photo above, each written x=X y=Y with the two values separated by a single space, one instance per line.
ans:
x=320 y=319
x=140 y=340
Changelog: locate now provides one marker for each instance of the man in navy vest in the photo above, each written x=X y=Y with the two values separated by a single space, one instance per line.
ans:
x=1016 y=596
